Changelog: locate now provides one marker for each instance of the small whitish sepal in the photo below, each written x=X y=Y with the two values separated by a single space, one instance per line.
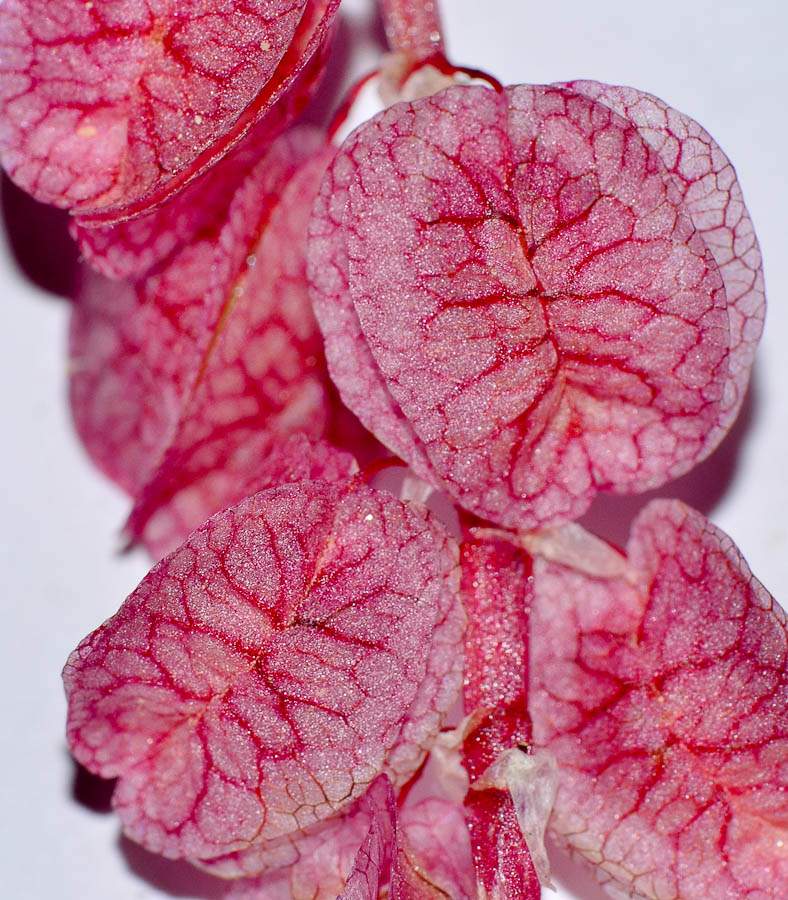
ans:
x=413 y=488
x=532 y=781
x=572 y=546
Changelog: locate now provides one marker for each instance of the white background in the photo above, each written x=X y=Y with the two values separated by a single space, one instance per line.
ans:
x=722 y=62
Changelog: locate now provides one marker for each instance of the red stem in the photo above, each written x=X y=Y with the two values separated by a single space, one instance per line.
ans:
x=413 y=27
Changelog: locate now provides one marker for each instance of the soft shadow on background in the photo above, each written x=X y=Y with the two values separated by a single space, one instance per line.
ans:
x=90 y=791
x=176 y=878
x=173 y=877
x=39 y=241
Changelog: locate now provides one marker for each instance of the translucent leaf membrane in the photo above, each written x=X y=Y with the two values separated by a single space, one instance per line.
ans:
x=310 y=865
x=183 y=382
x=437 y=846
x=496 y=590
x=108 y=108
x=663 y=694
x=425 y=847
x=386 y=864
x=375 y=865
x=529 y=295
x=263 y=675
x=255 y=461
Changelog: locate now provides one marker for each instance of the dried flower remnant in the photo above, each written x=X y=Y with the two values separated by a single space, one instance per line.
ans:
x=261 y=676
x=109 y=107
x=663 y=694
x=531 y=297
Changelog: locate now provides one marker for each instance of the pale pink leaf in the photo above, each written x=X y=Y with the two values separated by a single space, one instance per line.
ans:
x=529 y=302
x=663 y=694
x=707 y=183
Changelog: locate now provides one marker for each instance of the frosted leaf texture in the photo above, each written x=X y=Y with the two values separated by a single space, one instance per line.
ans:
x=131 y=248
x=706 y=181
x=663 y=695
x=377 y=856
x=310 y=865
x=265 y=673
x=109 y=107
x=437 y=845
x=181 y=383
x=533 y=311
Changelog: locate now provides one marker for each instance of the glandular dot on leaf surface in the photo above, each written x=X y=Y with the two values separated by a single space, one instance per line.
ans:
x=528 y=290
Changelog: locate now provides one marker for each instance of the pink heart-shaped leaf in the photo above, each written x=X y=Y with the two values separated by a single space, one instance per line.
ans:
x=532 y=310
x=262 y=675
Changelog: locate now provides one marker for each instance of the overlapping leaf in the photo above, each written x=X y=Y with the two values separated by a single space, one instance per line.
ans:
x=108 y=107
x=535 y=311
x=181 y=383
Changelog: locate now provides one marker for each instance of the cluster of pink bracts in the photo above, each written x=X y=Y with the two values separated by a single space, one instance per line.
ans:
x=526 y=294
